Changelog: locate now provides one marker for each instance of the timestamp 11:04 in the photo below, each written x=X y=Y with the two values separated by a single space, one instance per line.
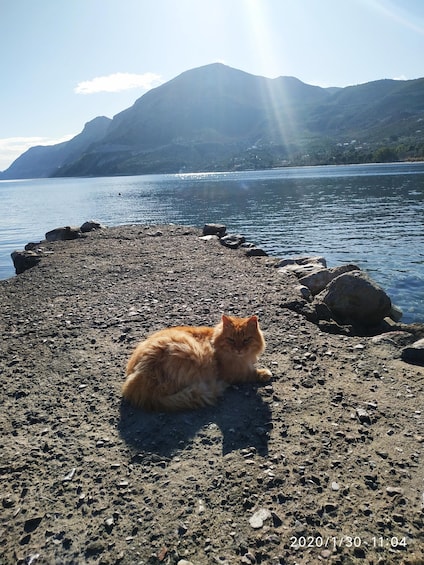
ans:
x=380 y=541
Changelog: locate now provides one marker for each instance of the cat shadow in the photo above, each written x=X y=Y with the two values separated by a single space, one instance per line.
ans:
x=242 y=416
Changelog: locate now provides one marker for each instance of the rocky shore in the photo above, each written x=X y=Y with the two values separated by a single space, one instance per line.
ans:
x=324 y=464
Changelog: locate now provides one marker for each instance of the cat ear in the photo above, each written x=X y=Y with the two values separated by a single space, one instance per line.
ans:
x=253 y=321
x=226 y=322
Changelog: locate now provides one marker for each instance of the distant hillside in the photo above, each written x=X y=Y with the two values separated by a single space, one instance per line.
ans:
x=219 y=118
x=44 y=160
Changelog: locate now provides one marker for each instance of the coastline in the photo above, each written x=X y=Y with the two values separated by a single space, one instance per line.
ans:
x=330 y=448
x=395 y=267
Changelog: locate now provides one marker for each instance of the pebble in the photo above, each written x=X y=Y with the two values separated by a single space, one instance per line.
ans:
x=363 y=416
x=335 y=486
x=259 y=517
x=394 y=490
x=32 y=524
x=69 y=476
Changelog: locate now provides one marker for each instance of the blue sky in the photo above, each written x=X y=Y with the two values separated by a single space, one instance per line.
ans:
x=64 y=62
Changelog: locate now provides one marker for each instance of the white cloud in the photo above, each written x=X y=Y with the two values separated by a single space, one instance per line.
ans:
x=118 y=82
x=401 y=77
x=12 y=147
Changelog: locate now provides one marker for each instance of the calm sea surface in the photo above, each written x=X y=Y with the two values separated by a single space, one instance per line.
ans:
x=371 y=215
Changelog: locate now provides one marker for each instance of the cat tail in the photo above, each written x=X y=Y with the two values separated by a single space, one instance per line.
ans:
x=195 y=395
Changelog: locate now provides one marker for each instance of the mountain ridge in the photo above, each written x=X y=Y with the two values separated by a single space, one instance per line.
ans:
x=219 y=118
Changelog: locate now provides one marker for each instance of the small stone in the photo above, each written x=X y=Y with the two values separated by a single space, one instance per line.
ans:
x=259 y=517
x=31 y=559
x=398 y=518
x=8 y=501
x=184 y=562
x=182 y=529
x=391 y=491
x=276 y=520
x=335 y=486
x=69 y=476
x=32 y=524
x=304 y=291
x=359 y=552
x=363 y=416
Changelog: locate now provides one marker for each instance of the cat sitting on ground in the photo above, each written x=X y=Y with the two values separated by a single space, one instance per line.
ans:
x=186 y=367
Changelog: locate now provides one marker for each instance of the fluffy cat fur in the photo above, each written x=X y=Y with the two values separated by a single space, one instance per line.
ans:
x=187 y=367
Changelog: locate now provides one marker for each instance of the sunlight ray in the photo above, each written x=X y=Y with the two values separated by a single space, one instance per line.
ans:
x=397 y=14
x=280 y=115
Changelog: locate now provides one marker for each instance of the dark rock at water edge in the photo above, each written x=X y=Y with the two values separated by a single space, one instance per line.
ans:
x=414 y=353
x=232 y=241
x=355 y=297
x=91 y=225
x=318 y=280
x=23 y=260
x=34 y=252
x=63 y=234
x=215 y=229
x=340 y=299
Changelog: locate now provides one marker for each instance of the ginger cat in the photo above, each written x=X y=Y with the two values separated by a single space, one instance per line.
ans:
x=187 y=367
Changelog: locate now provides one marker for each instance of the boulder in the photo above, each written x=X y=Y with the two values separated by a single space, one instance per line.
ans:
x=214 y=229
x=91 y=225
x=395 y=313
x=318 y=261
x=302 y=266
x=24 y=260
x=232 y=241
x=355 y=298
x=319 y=279
x=256 y=252
x=34 y=246
x=63 y=234
x=209 y=237
x=414 y=353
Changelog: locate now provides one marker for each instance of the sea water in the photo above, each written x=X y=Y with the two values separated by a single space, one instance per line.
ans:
x=370 y=215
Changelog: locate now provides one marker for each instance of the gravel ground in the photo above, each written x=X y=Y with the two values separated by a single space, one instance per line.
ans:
x=324 y=464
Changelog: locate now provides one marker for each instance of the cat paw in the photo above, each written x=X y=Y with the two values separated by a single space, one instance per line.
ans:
x=264 y=374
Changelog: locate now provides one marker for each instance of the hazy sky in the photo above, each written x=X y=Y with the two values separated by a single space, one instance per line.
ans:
x=64 y=62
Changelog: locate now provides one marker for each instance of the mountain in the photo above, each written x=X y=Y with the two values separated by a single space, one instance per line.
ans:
x=44 y=160
x=216 y=118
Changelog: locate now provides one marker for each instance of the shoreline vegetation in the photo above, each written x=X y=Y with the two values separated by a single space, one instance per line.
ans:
x=322 y=463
